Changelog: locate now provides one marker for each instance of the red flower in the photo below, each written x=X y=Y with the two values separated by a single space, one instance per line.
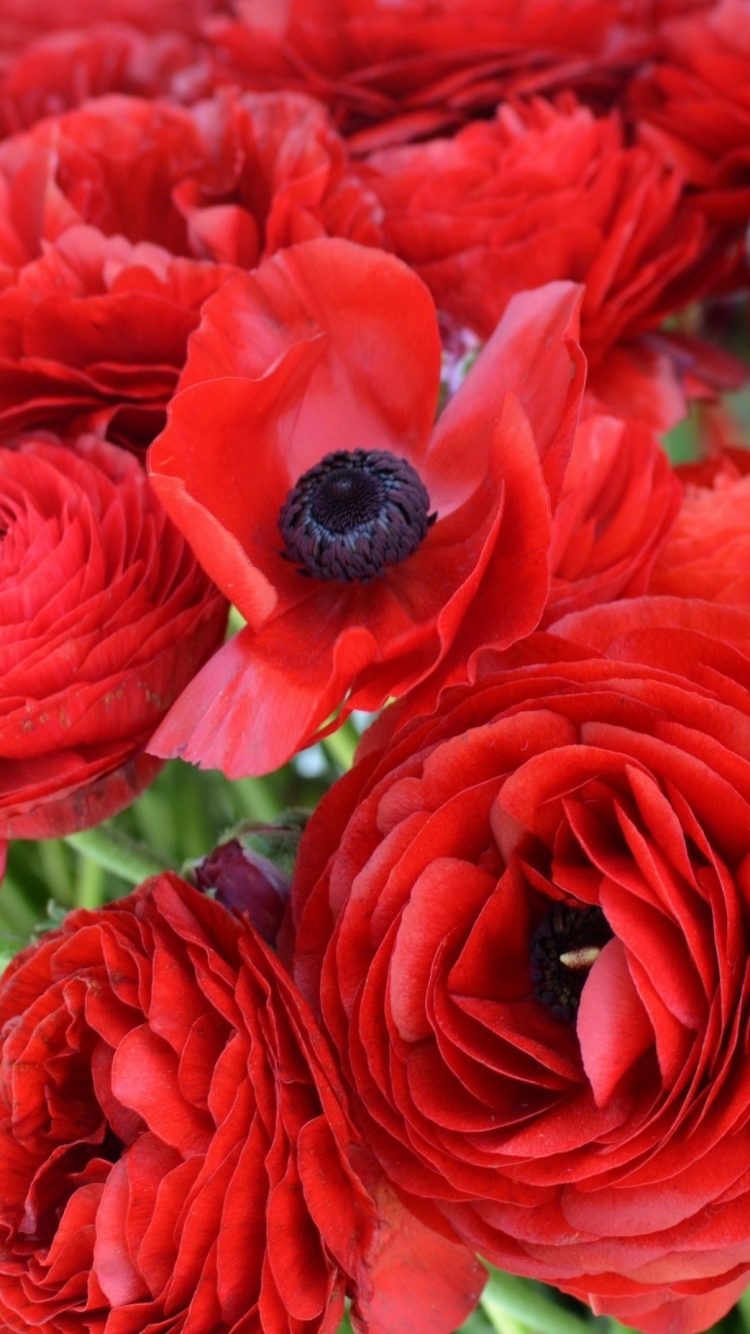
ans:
x=63 y=69
x=697 y=98
x=175 y=1147
x=112 y=163
x=547 y=192
x=104 y=617
x=707 y=553
x=410 y=68
x=525 y=924
x=232 y=178
x=94 y=326
x=619 y=500
x=22 y=21
x=274 y=173
x=93 y=335
x=328 y=356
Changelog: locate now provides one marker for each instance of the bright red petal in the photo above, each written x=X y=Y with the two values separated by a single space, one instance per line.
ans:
x=376 y=386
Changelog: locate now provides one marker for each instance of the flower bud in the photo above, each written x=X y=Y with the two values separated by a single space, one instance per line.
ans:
x=250 y=874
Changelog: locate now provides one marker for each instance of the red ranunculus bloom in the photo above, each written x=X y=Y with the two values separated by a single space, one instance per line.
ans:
x=275 y=173
x=547 y=192
x=697 y=98
x=104 y=617
x=707 y=553
x=63 y=69
x=296 y=458
x=94 y=327
x=232 y=178
x=619 y=500
x=526 y=924
x=22 y=21
x=93 y=335
x=111 y=163
x=408 y=68
x=175 y=1148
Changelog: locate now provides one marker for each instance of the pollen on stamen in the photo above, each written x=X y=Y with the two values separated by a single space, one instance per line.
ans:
x=563 y=949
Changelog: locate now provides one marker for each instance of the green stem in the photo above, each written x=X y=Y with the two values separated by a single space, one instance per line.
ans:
x=506 y=1295
x=235 y=623
x=341 y=745
x=115 y=852
x=89 y=888
x=507 y=1324
x=57 y=867
x=255 y=800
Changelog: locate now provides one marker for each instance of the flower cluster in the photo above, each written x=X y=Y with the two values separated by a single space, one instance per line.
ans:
x=376 y=321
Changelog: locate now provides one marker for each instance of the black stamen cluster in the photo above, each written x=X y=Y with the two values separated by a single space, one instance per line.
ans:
x=565 y=930
x=353 y=514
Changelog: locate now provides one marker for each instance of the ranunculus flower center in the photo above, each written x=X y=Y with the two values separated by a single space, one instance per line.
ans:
x=354 y=513
x=565 y=945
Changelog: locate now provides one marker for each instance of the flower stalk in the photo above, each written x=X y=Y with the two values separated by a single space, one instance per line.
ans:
x=115 y=852
x=340 y=746
x=507 y=1298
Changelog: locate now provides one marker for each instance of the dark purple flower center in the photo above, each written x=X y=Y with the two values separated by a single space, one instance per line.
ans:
x=564 y=947
x=353 y=514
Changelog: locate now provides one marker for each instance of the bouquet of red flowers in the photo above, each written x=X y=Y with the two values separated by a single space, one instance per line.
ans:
x=374 y=667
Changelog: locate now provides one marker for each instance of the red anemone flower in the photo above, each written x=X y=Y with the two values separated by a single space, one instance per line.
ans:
x=311 y=388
